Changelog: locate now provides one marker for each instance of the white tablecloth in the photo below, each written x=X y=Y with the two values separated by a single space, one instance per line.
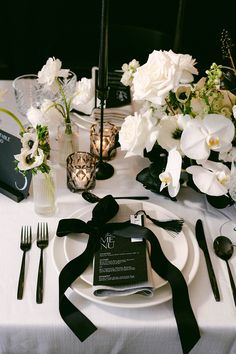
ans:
x=26 y=327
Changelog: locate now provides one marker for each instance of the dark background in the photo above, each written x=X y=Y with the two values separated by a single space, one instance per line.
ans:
x=70 y=31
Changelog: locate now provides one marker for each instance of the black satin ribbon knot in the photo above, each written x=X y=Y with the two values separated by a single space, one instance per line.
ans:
x=97 y=227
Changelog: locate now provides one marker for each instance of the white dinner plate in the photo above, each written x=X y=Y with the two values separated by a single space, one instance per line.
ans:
x=162 y=294
x=175 y=248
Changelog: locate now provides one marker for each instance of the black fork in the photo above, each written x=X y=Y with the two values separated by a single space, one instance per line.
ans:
x=25 y=245
x=42 y=242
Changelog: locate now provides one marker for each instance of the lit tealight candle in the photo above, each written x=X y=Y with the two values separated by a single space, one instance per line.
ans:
x=81 y=171
x=108 y=140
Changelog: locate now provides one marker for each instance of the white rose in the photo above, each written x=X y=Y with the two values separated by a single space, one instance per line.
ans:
x=163 y=72
x=137 y=133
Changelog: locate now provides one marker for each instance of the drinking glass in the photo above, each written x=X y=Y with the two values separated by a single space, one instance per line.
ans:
x=28 y=92
x=68 y=85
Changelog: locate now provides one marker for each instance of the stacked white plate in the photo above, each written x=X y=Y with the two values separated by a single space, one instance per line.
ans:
x=181 y=249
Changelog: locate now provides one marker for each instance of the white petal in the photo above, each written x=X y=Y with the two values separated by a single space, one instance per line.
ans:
x=206 y=181
x=193 y=142
x=174 y=166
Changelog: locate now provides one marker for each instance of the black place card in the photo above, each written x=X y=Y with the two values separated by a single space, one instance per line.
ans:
x=13 y=183
x=120 y=261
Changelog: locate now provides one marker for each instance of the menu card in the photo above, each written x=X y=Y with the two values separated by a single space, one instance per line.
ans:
x=13 y=183
x=120 y=261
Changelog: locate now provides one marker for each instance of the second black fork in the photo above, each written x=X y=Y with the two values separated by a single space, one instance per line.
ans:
x=42 y=242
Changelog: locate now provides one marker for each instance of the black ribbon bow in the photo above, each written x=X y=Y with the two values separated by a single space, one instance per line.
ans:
x=104 y=211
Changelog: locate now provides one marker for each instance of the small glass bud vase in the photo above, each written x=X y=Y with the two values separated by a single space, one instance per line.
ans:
x=44 y=193
x=68 y=141
x=110 y=132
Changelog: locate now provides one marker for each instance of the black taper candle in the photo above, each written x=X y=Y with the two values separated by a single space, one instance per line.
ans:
x=103 y=54
x=103 y=169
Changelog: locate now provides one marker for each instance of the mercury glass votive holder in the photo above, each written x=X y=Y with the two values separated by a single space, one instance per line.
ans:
x=110 y=132
x=81 y=171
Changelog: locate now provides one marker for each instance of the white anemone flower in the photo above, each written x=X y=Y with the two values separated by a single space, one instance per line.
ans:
x=137 y=133
x=170 y=177
x=27 y=161
x=50 y=71
x=170 y=130
x=211 y=178
x=214 y=132
x=29 y=142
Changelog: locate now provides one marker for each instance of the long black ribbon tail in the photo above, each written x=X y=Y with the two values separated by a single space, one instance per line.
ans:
x=187 y=325
x=105 y=210
x=75 y=319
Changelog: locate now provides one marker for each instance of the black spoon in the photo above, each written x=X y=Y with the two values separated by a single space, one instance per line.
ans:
x=224 y=249
x=93 y=198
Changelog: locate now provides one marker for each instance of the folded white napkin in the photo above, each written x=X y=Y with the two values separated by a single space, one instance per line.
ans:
x=146 y=288
x=116 y=113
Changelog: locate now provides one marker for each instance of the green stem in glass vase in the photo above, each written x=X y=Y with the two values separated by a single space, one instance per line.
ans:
x=12 y=115
x=68 y=129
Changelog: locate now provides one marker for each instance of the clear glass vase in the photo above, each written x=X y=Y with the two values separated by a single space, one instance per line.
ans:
x=44 y=193
x=68 y=141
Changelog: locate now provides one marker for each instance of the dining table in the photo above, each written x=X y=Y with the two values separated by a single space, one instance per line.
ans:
x=125 y=325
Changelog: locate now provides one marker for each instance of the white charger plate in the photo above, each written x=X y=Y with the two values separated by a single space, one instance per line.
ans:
x=175 y=248
x=163 y=293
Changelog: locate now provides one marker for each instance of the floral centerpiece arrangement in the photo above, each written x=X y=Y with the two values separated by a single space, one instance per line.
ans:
x=185 y=128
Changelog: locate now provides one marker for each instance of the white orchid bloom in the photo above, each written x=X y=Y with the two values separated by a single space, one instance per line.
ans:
x=228 y=155
x=211 y=178
x=84 y=96
x=170 y=177
x=137 y=133
x=50 y=71
x=214 y=132
x=27 y=161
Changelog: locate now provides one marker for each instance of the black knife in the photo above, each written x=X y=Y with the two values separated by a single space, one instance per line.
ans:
x=201 y=239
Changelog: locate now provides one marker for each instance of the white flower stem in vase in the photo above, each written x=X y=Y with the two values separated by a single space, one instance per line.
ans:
x=68 y=140
x=44 y=193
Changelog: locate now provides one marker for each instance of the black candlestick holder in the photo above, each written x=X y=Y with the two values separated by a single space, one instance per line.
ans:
x=103 y=169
